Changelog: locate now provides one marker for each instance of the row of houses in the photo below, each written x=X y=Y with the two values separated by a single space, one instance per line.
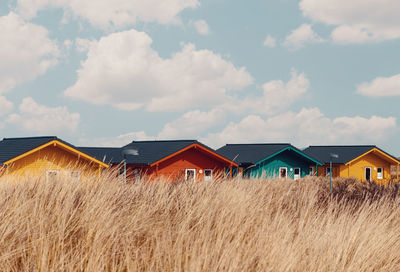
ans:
x=192 y=160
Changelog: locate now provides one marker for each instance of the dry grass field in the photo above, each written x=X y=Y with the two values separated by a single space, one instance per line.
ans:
x=244 y=225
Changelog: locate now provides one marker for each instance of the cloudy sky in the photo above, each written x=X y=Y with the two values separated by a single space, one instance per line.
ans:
x=102 y=72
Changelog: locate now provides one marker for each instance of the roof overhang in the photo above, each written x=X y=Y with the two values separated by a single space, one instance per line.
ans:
x=291 y=149
x=379 y=153
x=200 y=148
x=62 y=146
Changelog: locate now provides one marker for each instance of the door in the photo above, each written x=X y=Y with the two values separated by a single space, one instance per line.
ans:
x=283 y=172
x=368 y=173
x=297 y=174
x=190 y=174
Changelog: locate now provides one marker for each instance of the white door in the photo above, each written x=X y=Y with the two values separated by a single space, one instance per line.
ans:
x=190 y=174
x=368 y=173
x=283 y=172
x=297 y=174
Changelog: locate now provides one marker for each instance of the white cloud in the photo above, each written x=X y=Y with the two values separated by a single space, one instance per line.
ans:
x=192 y=124
x=117 y=141
x=42 y=119
x=83 y=45
x=270 y=41
x=5 y=106
x=124 y=71
x=202 y=27
x=26 y=52
x=381 y=86
x=110 y=14
x=356 y=21
x=307 y=127
x=277 y=96
x=301 y=36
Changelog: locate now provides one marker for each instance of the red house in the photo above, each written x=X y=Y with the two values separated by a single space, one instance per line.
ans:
x=174 y=160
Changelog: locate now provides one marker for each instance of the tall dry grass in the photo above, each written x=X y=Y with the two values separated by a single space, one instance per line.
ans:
x=244 y=225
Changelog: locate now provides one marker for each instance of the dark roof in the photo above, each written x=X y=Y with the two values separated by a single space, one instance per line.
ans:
x=13 y=147
x=346 y=153
x=148 y=151
x=245 y=154
x=110 y=155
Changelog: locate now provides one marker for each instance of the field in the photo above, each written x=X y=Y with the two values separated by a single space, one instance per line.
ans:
x=244 y=225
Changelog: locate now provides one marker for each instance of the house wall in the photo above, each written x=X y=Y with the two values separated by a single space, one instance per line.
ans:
x=336 y=170
x=270 y=168
x=357 y=168
x=174 y=168
x=52 y=158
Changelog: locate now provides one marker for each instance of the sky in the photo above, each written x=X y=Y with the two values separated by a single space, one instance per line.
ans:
x=105 y=73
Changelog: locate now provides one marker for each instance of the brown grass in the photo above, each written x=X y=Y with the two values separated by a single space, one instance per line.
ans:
x=245 y=225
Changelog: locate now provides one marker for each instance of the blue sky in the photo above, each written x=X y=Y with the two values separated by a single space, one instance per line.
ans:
x=108 y=72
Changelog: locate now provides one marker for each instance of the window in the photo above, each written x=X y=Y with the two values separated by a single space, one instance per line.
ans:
x=76 y=175
x=311 y=171
x=380 y=173
x=52 y=175
x=328 y=171
x=297 y=173
x=283 y=172
x=190 y=174
x=208 y=175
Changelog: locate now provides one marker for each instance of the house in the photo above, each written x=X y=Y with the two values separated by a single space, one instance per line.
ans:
x=49 y=156
x=364 y=162
x=270 y=160
x=174 y=160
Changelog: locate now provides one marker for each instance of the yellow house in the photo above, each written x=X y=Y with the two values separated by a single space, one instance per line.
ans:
x=364 y=162
x=46 y=156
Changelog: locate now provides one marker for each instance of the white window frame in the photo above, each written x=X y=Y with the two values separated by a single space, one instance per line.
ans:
x=79 y=174
x=280 y=171
x=208 y=178
x=186 y=173
x=294 y=173
x=370 y=173
x=311 y=171
x=48 y=172
x=379 y=175
x=330 y=171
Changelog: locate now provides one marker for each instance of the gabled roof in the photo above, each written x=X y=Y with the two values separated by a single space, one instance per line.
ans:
x=109 y=155
x=346 y=153
x=12 y=149
x=245 y=154
x=149 y=152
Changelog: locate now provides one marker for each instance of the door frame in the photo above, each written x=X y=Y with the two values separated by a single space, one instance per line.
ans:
x=294 y=173
x=286 y=172
x=370 y=173
x=186 y=173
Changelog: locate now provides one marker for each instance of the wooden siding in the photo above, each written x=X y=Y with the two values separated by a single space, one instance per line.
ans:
x=356 y=169
x=52 y=158
x=174 y=167
x=289 y=159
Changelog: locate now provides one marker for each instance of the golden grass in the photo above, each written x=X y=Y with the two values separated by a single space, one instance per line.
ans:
x=244 y=225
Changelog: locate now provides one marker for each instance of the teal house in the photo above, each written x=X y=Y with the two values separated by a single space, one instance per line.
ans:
x=270 y=161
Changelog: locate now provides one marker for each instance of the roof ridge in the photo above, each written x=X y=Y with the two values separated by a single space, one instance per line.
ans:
x=262 y=144
x=157 y=141
x=32 y=137
x=342 y=146
x=109 y=147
